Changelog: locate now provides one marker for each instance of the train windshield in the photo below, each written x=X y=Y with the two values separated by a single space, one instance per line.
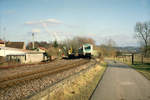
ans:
x=88 y=48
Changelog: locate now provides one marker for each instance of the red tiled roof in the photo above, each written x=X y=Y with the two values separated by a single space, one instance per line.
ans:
x=42 y=48
x=2 y=42
x=19 y=45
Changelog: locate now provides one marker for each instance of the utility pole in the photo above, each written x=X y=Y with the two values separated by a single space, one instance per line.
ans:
x=132 y=58
x=4 y=29
x=0 y=28
x=0 y=31
x=33 y=41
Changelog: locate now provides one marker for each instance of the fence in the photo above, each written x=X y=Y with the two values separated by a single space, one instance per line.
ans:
x=133 y=59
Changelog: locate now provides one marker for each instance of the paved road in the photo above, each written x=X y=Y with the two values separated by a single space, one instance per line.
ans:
x=122 y=83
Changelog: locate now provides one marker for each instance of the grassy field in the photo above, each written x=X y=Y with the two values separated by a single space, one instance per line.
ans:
x=142 y=68
x=80 y=87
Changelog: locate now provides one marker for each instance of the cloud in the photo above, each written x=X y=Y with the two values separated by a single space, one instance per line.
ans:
x=36 y=30
x=47 y=21
x=72 y=26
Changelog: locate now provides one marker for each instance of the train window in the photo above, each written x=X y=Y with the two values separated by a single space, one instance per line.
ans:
x=89 y=47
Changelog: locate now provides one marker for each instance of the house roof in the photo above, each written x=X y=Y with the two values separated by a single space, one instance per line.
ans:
x=2 y=42
x=18 y=45
x=42 y=48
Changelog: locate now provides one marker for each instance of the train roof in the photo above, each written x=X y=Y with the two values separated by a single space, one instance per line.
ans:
x=87 y=44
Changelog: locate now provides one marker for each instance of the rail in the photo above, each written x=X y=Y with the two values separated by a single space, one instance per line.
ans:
x=35 y=75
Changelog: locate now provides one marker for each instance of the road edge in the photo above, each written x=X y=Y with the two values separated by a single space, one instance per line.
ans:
x=99 y=82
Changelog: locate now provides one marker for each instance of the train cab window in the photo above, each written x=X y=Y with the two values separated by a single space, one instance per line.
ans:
x=89 y=47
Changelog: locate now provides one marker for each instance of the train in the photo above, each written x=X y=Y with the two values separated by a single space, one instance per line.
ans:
x=85 y=51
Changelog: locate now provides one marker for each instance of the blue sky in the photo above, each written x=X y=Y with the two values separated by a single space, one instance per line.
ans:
x=64 y=19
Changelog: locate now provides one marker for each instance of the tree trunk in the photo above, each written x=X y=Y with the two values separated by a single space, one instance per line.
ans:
x=145 y=51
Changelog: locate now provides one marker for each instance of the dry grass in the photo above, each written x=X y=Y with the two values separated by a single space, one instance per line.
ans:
x=80 y=87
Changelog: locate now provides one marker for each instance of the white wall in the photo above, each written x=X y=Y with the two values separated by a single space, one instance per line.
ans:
x=9 y=51
x=32 y=58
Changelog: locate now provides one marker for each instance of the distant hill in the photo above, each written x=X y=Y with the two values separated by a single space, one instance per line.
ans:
x=129 y=49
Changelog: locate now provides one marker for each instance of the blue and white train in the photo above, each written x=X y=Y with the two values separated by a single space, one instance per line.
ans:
x=86 y=51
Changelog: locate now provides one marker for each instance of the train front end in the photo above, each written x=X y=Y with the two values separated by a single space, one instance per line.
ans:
x=87 y=50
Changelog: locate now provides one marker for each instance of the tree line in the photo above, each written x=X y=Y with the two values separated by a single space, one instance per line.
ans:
x=56 y=48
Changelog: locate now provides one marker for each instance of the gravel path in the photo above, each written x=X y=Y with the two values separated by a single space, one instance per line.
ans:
x=121 y=82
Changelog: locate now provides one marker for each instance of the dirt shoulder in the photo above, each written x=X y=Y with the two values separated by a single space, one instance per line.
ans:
x=79 y=87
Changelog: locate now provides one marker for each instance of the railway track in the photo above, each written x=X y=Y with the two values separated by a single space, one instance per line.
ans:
x=22 y=72
x=18 y=79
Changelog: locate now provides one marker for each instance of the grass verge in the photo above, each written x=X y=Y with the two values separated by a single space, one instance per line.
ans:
x=80 y=87
x=143 y=69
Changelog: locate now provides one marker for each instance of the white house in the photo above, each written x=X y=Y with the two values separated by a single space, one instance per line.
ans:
x=4 y=51
x=20 y=55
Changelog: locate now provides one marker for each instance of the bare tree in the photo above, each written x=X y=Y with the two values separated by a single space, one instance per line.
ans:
x=84 y=40
x=108 y=49
x=77 y=42
x=110 y=43
x=143 y=33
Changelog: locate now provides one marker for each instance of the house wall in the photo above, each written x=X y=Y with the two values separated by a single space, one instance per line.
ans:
x=17 y=58
x=29 y=57
x=2 y=45
x=22 y=59
x=5 y=52
x=24 y=46
x=34 y=57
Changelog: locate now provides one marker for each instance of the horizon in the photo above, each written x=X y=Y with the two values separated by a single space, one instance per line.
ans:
x=115 y=46
x=53 y=19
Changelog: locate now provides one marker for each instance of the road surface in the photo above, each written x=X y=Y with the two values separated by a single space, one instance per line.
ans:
x=121 y=82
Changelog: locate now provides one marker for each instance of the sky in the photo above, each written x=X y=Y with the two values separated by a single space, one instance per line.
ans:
x=65 y=19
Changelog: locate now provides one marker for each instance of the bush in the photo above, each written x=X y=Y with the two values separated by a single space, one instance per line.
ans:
x=53 y=52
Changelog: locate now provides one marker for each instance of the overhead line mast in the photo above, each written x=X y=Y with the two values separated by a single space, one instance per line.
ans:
x=33 y=41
